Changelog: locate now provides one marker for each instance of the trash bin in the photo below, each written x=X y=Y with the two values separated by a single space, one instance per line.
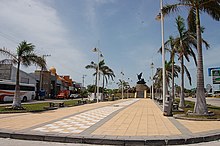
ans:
x=42 y=94
x=166 y=104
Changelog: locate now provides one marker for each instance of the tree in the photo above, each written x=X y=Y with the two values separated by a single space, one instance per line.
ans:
x=169 y=46
x=183 y=44
x=195 y=7
x=107 y=74
x=168 y=74
x=103 y=69
x=123 y=85
x=26 y=56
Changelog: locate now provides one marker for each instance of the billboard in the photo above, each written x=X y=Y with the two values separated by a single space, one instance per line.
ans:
x=216 y=76
x=212 y=68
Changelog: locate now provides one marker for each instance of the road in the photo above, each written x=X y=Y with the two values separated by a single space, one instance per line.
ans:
x=15 y=142
x=209 y=100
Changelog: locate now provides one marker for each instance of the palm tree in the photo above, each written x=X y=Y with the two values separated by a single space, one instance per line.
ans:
x=195 y=7
x=183 y=44
x=103 y=69
x=171 y=71
x=168 y=74
x=26 y=56
x=94 y=66
x=169 y=46
x=107 y=74
x=123 y=84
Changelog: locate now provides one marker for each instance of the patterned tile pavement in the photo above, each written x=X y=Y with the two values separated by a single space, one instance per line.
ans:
x=78 y=123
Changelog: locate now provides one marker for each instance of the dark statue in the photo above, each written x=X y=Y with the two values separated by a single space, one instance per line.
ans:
x=140 y=80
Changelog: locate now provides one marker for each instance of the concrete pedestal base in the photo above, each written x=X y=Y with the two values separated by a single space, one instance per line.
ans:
x=141 y=91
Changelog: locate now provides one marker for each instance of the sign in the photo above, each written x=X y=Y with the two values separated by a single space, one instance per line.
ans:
x=212 y=68
x=216 y=76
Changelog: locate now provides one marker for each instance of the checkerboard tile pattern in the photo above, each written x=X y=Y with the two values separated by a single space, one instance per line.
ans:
x=80 y=122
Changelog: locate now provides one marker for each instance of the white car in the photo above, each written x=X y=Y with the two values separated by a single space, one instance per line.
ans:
x=74 y=96
x=216 y=94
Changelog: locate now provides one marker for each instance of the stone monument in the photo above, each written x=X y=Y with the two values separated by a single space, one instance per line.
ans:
x=141 y=88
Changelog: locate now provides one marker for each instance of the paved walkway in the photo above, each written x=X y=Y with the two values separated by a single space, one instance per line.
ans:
x=130 y=121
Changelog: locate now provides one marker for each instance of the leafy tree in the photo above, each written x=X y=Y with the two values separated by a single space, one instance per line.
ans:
x=26 y=56
x=195 y=7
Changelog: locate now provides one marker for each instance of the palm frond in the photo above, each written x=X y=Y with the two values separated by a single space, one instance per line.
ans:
x=25 y=48
x=206 y=44
x=188 y=74
x=167 y=9
x=7 y=53
x=34 y=59
x=212 y=8
x=191 y=20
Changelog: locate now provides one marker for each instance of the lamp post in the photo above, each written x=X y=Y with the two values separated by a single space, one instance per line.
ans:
x=163 y=54
x=97 y=77
x=122 y=85
x=83 y=77
x=152 y=79
x=160 y=17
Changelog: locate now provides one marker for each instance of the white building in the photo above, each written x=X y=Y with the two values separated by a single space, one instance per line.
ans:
x=8 y=72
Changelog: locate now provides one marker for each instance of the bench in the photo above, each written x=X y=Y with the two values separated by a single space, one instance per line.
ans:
x=55 y=104
x=81 y=102
x=175 y=106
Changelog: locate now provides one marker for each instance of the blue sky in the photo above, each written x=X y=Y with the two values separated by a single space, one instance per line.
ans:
x=124 y=30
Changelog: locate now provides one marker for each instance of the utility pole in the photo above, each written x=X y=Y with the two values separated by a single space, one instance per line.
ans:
x=41 y=75
x=152 y=79
x=122 y=85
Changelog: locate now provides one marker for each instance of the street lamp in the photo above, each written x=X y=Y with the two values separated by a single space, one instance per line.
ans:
x=97 y=77
x=122 y=85
x=83 y=77
x=152 y=79
x=160 y=17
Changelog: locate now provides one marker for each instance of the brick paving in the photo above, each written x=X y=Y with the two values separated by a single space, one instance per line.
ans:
x=143 y=118
x=115 y=122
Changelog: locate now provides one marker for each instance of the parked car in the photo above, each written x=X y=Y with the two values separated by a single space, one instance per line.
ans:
x=216 y=94
x=74 y=96
x=63 y=94
x=208 y=94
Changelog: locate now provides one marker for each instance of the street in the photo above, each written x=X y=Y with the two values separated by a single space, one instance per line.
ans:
x=209 y=100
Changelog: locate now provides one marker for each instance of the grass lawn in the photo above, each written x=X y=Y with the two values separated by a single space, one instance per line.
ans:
x=214 y=109
x=37 y=107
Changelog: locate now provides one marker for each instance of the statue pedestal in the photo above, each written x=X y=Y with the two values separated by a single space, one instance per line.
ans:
x=141 y=91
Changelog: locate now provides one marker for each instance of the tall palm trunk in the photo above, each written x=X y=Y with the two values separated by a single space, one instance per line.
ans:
x=169 y=111
x=103 y=85
x=17 y=100
x=172 y=94
x=182 y=95
x=200 y=105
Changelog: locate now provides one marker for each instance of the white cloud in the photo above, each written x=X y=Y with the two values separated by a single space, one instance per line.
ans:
x=39 y=23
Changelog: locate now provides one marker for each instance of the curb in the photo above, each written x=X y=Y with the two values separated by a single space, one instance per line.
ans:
x=111 y=141
x=182 y=117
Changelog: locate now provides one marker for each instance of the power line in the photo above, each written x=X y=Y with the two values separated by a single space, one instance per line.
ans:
x=6 y=36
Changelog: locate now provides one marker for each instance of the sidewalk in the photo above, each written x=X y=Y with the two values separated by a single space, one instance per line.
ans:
x=124 y=122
